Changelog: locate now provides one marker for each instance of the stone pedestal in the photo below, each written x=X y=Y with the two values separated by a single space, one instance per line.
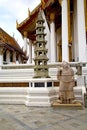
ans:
x=67 y=106
x=41 y=92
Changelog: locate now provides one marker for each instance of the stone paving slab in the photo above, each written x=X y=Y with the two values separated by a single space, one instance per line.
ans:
x=20 y=117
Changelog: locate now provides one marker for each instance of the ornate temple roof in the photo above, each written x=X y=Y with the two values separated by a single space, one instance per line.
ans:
x=9 y=42
x=29 y=23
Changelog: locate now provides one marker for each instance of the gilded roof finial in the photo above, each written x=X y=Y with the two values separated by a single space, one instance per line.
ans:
x=17 y=24
x=43 y=3
x=29 y=12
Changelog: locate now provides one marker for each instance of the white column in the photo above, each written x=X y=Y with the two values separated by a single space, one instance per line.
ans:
x=25 y=45
x=14 y=57
x=65 y=53
x=81 y=35
x=30 y=51
x=8 y=56
x=53 y=45
x=19 y=59
x=1 y=55
x=25 y=42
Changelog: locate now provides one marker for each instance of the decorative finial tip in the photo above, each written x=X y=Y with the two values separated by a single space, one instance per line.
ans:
x=17 y=23
x=29 y=12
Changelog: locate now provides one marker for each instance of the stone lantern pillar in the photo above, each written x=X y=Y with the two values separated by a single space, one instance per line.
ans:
x=41 y=68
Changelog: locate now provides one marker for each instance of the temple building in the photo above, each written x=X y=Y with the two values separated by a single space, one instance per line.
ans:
x=66 y=29
x=10 y=51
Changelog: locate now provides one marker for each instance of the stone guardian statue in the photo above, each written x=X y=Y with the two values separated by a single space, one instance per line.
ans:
x=65 y=76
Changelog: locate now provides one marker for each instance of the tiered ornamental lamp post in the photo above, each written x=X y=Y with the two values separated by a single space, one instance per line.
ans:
x=41 y=67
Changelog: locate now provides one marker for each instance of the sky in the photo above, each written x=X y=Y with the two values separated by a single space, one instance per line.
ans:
x=12 y=10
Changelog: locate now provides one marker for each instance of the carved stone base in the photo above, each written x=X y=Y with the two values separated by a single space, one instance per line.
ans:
x=67 y=106
x=41 y=92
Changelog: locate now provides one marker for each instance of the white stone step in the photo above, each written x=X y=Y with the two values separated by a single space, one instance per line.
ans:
x=9 y=95
x=12 y=101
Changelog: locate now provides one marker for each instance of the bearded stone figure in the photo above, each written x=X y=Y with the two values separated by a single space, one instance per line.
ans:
x=65 y=76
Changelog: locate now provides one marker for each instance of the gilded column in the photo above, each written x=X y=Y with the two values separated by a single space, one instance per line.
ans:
x=53 y=45
x=69 y=32
x=65 y=53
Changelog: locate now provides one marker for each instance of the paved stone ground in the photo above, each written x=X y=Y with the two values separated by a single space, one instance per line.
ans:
x=20 y=117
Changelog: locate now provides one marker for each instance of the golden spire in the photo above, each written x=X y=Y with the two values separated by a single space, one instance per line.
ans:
x=29 y=12
x=17 y=24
